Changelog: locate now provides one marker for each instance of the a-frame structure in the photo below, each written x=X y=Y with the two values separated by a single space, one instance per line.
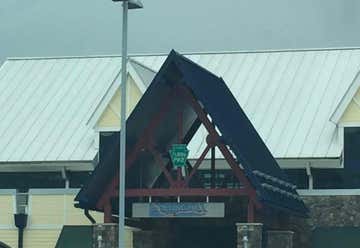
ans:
x=182 y=97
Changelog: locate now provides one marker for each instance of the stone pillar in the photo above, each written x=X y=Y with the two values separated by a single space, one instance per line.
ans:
x=280 y=239
x=105 y=235
x=250 y=233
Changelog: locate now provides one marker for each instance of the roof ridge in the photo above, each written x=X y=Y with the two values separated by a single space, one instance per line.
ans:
x=187 y=53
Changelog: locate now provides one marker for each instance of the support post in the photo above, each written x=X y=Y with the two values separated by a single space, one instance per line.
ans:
x=122 y=168
x=250 y=212
x=107 y=212
x=213 y=175
x=310 y=177
x=180 y=137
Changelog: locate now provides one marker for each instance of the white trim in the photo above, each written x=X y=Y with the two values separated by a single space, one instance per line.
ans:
x=29 y=209
x=8 y=227
x=346 y=99
x=100 y=108
x=284 y=163
x=349 y=124
x=131 y=60
x=7 y=192
x=107 y=129
x=55 y=191
x=310 y=177
x=45 y=226
x=14 y=203
x=328 y=192
x=136 y=77
x=302 y=163
x=46 y=167
x=115 y=85
x=341 y=141
x=64 y=209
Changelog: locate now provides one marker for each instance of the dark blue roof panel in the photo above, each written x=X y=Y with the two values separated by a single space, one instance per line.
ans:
x=240 y=135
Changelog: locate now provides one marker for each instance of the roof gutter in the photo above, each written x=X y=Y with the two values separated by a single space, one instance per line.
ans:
x=87 y=214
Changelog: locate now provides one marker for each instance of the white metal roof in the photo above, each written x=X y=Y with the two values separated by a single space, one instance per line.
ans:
x=289 y=96
x=46 y=104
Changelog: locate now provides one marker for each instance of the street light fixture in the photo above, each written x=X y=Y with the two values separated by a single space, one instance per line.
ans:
x=127 y=4
x=132 y=4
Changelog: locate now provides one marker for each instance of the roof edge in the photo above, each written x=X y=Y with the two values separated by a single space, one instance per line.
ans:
x=185 y=53
x=346 y=99
x=115 y=85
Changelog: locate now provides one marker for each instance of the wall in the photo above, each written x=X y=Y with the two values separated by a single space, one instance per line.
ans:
x=8 y=231
x=325 y=211
x=48 y=210
x=111 y=116
x=352 y=112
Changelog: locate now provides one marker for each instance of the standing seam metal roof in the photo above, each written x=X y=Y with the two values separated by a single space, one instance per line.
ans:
x=289 y=96
x=46 y=104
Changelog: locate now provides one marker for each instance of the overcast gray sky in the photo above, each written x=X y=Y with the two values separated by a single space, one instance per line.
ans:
x=89 y=27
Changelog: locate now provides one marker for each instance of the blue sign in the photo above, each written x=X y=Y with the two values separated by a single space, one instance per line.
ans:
x=178 y=210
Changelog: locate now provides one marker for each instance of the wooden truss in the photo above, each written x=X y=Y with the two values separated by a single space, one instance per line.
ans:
x=179 y=186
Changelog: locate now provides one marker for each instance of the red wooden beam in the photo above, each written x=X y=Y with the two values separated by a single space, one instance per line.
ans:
x=214 y=135
x=180 y=137
x=213 y=173
x=107 y=212
x=197 y=164
x=162 y=166
x=185 y=192
x=250 y=212
x=144 y=138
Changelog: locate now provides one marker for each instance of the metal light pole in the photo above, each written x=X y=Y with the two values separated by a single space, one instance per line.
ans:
x=127 y=4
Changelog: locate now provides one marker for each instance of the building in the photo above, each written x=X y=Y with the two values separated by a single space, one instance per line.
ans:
x=161 y=184
x=303 y=104
x=47 y=146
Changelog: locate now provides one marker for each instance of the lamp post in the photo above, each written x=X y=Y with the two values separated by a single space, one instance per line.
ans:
x=127 y=4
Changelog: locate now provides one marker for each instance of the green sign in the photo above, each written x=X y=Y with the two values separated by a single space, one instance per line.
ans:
x=179 y=154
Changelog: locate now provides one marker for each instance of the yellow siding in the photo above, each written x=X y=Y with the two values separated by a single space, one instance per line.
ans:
x=128 y=238
x=75 y=216
x=110 y=116
x=352 y=112
x=41 y=238
x=48 y=213
x=47 y=209
x=9 y=237
x=6 y=210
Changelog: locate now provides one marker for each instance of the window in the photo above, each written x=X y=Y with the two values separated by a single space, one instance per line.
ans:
x=298 y=177
x=78 y=178
x=223 y=179
x=107 y=141
x=336 y=178
x=352 y=148
x=26 y=180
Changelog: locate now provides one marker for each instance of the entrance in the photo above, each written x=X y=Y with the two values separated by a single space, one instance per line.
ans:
x=205 y=237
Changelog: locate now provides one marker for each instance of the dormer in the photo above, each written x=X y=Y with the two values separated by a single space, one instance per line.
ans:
x=106 y=117
x=347 y=117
